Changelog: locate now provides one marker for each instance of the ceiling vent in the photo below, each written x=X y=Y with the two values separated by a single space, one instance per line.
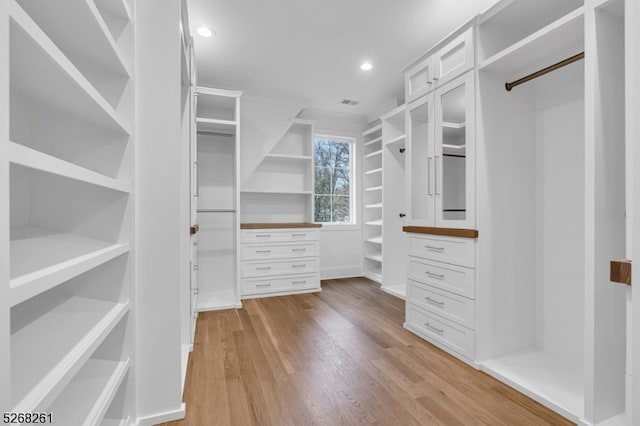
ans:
x=349 y=102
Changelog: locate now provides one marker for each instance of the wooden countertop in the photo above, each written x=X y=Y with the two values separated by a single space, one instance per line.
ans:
x=449 y=232
x=279 y=225
x=620 y=271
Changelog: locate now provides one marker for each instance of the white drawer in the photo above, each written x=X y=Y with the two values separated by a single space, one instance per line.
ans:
x=269 y=235
x=451 y=335
x=447 y=277
x=457 y=251
x=279 y=251
x=451 y=306
x=286 y=267
x=280 y=284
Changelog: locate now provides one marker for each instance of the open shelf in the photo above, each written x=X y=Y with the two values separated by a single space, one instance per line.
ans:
x=217 y=299
x=374 y=223
x=373 y=141
x=374 y=171
x=27 y=157
x=565 y=35
x=275 y=191
x=48 y=350
x=375 y=188
x=373 y=129
x=34 y=55
x=374 y=240
x=41 y=259
x=398 y=140
x=80 y=31
x=87 y=397
x=373 y=154
x=117 y=8
x=303 y=158
x=373 y=206
x=554 y=382
x=374 y=258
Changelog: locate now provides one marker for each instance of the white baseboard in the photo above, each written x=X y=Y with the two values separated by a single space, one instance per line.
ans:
x=335 y=272
x=162 y=417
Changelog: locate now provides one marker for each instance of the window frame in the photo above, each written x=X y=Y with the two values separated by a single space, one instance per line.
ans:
x=354 y=222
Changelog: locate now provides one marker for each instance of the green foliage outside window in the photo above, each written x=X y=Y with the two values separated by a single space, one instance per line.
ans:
x=332 y=180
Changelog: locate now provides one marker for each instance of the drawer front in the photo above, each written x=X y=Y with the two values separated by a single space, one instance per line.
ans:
x=299 y=266
x=457 y=251
x=455 y=337
x=451 y=306
x=447 y=277
x=279 y=251
x=280 y=284
x=269 y=235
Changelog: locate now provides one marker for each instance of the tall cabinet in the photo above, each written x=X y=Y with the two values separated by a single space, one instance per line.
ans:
x=68 y=147
x=218 y=196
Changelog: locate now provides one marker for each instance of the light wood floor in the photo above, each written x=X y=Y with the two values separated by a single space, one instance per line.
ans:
x=339 y=357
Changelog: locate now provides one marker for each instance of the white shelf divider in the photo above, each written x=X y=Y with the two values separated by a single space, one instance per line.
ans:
x=374 y=206
x=373 y=188
x=289 y=157
x=27 y=157
x=92 y=41
x=373 y=154
x=39 y=56
x=374 y=240
x=215 y=125
x=49 y=351
x=87 y=397
x=118 y=8
x=370 y=172
x=532 y=53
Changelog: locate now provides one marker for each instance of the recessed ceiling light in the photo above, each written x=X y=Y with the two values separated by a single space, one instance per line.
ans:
x=366 y=66
x=205 y=31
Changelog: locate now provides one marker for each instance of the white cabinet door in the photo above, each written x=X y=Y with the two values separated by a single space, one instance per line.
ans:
x=420 y=165
x=418 y=80
x=453 y=59
x=454 y=156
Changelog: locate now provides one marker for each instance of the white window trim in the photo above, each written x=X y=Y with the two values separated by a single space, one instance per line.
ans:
x=353 y=193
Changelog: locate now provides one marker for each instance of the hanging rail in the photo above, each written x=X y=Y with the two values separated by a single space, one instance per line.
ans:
x=544 y=71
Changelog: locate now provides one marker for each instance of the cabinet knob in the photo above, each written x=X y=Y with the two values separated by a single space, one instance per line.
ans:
x=402 y=215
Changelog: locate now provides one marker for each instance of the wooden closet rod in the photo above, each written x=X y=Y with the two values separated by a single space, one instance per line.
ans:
x=544 y=71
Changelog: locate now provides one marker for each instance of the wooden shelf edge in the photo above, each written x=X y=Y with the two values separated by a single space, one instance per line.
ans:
x=279 y=225
x=449 y=232
x=620 y=271
x=194 y=229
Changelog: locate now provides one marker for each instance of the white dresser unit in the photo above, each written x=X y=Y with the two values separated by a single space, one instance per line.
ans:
x=279 y=259
x=441 y=289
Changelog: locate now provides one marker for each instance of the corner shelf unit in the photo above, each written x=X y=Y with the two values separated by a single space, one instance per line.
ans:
x=69 y=226
x=218 y=149
x=280 y=189
x=372 y=175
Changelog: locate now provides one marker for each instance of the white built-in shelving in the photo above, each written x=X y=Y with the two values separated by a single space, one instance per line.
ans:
x=535 y=134
x=280 y=188
x=69 y=149
x=394 y=254
x=372 y=200
x=218 y=199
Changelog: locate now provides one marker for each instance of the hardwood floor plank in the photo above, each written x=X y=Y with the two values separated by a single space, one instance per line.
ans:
x=338 y=357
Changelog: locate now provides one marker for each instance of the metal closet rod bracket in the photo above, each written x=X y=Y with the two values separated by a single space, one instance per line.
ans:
x=544 y=71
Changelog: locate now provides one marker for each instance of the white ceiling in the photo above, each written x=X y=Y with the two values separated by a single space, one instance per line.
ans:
x=310 y=51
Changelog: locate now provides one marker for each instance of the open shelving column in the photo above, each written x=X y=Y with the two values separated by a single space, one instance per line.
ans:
x=394 y=253
x=280 y=189
x=218 y=148
x=372 y=202
x=69 y=157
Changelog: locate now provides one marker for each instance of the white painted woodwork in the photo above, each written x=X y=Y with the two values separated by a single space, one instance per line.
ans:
x=394 y=273
x=5 y=317
x=218 y=200
x=373 y=174
x=279 y=261
x=531 y=258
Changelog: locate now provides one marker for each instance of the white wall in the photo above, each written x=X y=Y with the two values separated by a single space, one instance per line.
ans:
x=341 y=246
x=158 y=220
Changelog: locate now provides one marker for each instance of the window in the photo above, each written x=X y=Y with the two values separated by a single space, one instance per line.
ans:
x=333 y=179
